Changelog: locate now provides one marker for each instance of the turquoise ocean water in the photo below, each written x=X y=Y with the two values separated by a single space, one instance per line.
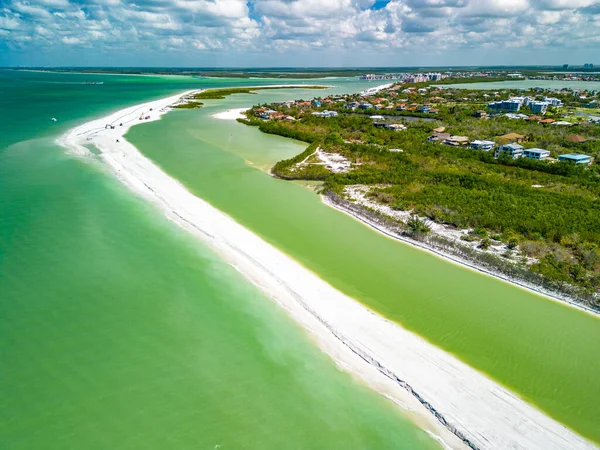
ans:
x=119 y=331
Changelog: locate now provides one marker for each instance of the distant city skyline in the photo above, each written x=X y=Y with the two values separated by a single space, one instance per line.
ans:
x=296 y=33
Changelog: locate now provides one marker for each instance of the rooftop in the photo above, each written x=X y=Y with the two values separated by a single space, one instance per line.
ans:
x=575 y=156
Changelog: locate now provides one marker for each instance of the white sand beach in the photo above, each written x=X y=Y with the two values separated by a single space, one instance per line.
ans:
x=231 y=114
x=449 y=399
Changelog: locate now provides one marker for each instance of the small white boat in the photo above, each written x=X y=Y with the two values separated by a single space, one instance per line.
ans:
x=54 y=119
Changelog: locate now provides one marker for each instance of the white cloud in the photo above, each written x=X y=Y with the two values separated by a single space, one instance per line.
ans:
x=287 y=26
x=70 y=40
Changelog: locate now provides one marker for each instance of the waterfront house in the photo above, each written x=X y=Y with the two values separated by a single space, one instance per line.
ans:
x=365 y=105
x=576 y=158
x=377 y=118
x=536 y=153
x=486 y=146
x=352 y=105
x=513 y=150
x=401 y=107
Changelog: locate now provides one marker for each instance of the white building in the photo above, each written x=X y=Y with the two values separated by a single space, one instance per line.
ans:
x=536 y=153
x=538 y=107
x=486 y=146
x=325 y=113
x=513 y=150
x=553 y=102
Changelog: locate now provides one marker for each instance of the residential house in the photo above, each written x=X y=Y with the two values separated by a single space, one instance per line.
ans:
x=576 y=158
x=511 y=137
x=268 y=114
x=365 y=105
x=516 y=116
x=536 y=153
x=480 y=114
x=486 y=146
x=325 y=113
x=546 y=121
x=377 y=118
x=593 y=104
x=351 y=105
x=513 y=150
x=317 y=103
x=435 y=137
x=456 y=141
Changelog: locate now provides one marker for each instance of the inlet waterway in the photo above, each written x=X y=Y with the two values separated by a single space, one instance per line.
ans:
x=540 y=349
x=120 y=331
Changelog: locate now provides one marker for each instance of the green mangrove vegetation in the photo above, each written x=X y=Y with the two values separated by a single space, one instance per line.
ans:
x=546 y=214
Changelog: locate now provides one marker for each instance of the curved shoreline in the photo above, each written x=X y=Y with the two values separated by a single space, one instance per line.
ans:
x=550 y=295
x=445 y=396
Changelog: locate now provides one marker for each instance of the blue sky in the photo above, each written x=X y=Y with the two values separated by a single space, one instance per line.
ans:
x=242 y=33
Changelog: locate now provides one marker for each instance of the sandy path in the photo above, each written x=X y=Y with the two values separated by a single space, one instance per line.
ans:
x=440 y=392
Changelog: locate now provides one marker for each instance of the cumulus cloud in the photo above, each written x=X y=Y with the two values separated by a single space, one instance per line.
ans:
x=282 y=26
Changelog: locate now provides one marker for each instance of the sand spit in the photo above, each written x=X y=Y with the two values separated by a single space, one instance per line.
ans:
x=231 y=114
x=442 y=394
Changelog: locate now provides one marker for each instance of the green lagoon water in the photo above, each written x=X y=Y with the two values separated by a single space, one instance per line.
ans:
x=544 y=351
x=119 y=331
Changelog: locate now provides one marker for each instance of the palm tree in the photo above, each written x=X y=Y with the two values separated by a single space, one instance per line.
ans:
x=417 y=226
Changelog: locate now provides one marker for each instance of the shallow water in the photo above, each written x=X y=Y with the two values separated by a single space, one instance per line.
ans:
x=120 y=331
x=541 y=349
